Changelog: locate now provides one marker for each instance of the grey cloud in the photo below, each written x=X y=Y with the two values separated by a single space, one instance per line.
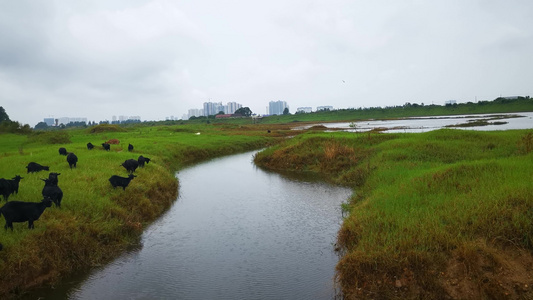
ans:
x=104 y=58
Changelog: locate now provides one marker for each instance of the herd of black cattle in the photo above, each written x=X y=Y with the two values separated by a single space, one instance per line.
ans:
x=19 y=211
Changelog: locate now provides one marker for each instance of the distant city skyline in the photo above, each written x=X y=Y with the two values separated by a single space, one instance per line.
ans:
x=274 y=107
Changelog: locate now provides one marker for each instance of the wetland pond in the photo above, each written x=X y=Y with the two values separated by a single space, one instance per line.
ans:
x=235 y=232
x=504 y=121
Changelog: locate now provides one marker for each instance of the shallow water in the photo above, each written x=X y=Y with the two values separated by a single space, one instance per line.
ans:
x=236 y=232
x=424 y=124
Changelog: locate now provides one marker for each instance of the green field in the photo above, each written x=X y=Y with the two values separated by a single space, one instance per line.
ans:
x=438 y=213
x=95 y=221
x=442 y=213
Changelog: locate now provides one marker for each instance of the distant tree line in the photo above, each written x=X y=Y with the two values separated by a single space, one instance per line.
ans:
x=129 y=121
x=8 y=126
x=408 y=105
x=44 y=126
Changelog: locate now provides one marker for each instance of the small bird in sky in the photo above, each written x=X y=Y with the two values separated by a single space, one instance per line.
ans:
x=343 y=81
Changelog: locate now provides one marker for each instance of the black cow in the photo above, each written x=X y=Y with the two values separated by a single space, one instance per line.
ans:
x=130 y=165
x=106 y=146
x=19 y=211
x=35 y=167
x=142 y=160
x=130 y=147
x=9 y=186
x=53 y=178
x=90 y=146
x=62 y=151
x=52 y=191
x=116 y=180
x=5 y=188
x=15 y=184
x=72 y=159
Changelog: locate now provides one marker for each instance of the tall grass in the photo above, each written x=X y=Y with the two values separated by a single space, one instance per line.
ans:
x=95 y=221
x=421 y=202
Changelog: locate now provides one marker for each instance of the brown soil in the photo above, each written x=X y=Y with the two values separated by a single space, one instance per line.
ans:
x=475 y=271
x=113 y=141
x=489 y=274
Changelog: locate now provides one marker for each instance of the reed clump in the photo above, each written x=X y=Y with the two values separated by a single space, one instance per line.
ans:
x=442 y=214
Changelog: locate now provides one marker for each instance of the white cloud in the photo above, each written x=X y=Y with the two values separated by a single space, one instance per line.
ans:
x=106 y=58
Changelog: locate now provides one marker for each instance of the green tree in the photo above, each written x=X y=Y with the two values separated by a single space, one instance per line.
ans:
x=3 y=115
x=244 y=111
x=286 y=111
x=41 y=125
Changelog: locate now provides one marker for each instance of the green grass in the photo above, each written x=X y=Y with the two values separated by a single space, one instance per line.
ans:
x=421 y=201
x=95 y=221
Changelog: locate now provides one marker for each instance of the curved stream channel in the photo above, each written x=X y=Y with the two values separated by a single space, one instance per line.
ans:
x=235 y=232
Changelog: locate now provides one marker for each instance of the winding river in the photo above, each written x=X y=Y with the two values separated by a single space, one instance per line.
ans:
x=235 y=232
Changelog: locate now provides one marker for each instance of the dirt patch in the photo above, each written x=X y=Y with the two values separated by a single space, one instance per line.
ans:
x=318 y=127
x=483 y=272
x=113 y=141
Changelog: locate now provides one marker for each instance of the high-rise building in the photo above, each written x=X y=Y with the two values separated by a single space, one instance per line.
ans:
x=277 y=107
x=231 y=107
x=49 y=121
x=212 y=108
x=304 y=109
x=195 y=112
x=319 y=108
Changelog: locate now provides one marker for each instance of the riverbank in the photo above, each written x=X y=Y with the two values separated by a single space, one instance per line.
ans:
x=96 y=222
x=439 y=215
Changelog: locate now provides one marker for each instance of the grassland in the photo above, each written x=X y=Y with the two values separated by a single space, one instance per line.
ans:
x=438 y=215
x=96 y=222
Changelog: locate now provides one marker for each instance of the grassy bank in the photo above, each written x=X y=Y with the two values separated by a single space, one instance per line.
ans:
x=437 y=215
x=96 y=222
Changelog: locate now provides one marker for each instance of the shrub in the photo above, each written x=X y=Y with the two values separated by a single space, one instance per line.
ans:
x=106 y=128
x=50 y=137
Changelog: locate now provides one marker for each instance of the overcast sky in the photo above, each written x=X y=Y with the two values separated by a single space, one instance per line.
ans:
x=157 y=58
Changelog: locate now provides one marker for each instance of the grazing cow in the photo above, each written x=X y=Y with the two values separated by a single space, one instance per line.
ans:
x=116 y=180
x=90 y=146
x=19 y=211
x=62 y=151
x=5 y=188
x=130 y=147
x=142 y=160
x=53 y=178
x=72 y=159
x=52 y=191
x=35 y=167
x=130 y=165
x=9 y=186
x=106 y=146
x=15 y=184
